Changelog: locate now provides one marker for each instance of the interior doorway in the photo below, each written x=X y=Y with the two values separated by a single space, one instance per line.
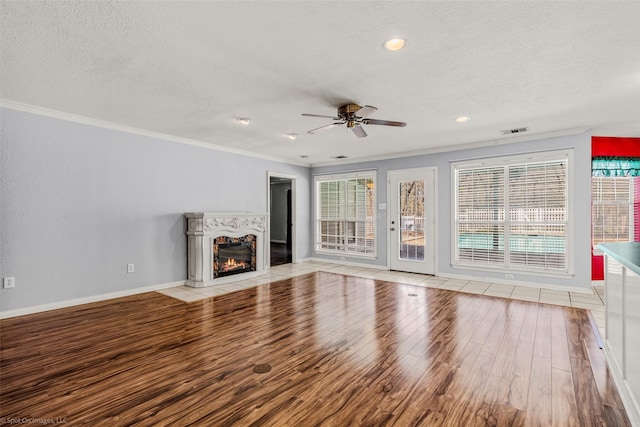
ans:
x=281 y=219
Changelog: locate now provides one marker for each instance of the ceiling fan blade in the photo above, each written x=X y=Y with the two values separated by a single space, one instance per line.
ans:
x=383 y=122
x=365 y=111
x=359 y=131
x=323 y=128
x=323 y=117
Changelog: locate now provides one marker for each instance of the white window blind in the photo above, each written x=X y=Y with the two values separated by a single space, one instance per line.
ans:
x=345 y=217
x=612 y=209
x=512 y=214
x=480 y=216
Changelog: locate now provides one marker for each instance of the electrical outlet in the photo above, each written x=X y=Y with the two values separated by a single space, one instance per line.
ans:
x=130 y=268
x=8 y=282
x=341 y=258
x=508 y=276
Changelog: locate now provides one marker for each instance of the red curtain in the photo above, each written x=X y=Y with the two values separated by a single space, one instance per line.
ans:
x=608 y=146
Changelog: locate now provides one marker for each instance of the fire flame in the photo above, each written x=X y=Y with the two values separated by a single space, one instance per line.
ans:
x=232 y=264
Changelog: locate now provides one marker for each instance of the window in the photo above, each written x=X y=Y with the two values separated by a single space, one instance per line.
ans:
x=345 y=216
x=615 y=197
x=512 y=214
x=612 y=209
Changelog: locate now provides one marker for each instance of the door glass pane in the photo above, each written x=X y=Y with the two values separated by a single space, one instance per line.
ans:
x=412 y=220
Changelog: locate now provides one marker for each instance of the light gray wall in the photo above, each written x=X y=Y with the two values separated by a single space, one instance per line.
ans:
x=279 y=211
x=581 y=145
x=78 y=203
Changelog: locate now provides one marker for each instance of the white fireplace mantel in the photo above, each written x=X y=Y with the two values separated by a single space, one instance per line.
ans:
x=204 y=227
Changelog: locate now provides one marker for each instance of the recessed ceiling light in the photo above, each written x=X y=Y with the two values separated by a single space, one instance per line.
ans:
x=463 y=119
x=393 y=45
x=291 y=136
x=243 y=120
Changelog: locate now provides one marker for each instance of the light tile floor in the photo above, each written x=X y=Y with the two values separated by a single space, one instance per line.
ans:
x=593 y=301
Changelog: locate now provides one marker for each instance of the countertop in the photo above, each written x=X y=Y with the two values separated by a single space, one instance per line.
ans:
x=627 y=254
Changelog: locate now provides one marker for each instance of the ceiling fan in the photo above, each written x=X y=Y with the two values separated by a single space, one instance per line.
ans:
x=354 y=116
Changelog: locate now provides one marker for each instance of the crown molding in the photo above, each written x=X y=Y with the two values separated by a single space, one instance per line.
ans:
x=458 y=147
x=42 y=111
x=61 y=115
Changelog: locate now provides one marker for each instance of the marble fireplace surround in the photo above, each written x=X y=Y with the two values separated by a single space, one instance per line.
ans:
x=204 y=227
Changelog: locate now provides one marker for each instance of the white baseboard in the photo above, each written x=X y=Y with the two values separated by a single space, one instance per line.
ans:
x=86 y=300
x=464 y=277
x=349 y=263
x=517 y=283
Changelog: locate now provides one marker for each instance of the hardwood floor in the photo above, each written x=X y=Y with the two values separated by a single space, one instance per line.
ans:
x=344 y=351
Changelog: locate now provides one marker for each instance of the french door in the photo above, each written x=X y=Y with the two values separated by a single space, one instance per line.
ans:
x=411 y=221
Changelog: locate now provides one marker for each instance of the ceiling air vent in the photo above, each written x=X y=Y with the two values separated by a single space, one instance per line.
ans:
x=513 y=131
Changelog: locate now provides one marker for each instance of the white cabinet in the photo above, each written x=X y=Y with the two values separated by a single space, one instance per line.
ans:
x=631 y=329
x=622 y=294
x=614 y=310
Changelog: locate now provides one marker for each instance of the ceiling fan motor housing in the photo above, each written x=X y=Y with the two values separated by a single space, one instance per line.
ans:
x=348 y=112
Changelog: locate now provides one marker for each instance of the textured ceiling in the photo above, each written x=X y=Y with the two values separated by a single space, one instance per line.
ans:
x=188 y=69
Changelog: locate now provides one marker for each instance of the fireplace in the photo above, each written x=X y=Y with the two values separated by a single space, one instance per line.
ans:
x=224 y=247
x=234 y=255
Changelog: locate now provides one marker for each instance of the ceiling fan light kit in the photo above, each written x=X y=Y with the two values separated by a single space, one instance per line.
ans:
x=354 y=116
